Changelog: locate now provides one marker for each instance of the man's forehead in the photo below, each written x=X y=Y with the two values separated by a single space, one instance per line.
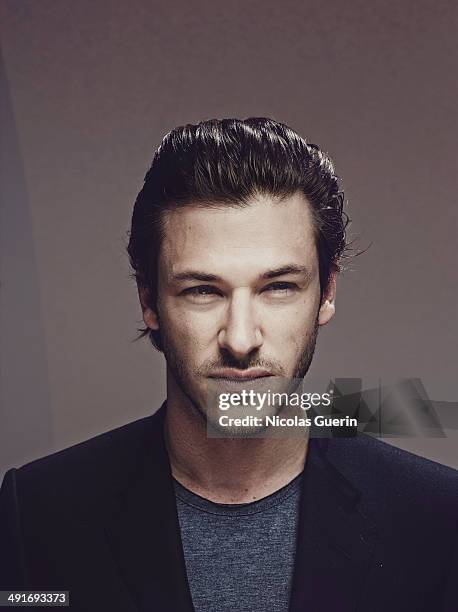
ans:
x=266 y=233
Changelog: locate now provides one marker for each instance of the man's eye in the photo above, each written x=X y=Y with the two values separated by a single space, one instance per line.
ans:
x=201 y=290
x=281 y=288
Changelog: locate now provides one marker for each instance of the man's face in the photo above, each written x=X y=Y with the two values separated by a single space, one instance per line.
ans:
x=238 y=293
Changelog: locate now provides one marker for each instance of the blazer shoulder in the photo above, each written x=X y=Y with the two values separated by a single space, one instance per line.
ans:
x=91 y=469
x=374 y=465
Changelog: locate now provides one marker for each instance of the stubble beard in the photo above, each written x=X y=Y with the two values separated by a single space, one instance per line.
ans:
x=183 y=376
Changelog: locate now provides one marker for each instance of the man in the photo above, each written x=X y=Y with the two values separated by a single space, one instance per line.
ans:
x=236 y=240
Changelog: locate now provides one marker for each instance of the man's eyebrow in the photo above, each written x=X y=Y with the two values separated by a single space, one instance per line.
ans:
x=189 y=275
x=283 y=270
x=196 y=275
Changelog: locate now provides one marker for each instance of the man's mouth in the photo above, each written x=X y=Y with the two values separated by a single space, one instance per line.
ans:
x=236 y=375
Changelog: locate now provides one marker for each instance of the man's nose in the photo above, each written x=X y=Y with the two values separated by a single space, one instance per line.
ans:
x=240 y=333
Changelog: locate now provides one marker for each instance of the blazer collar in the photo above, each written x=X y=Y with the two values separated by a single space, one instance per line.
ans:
x=335 y=540
x=144 y=532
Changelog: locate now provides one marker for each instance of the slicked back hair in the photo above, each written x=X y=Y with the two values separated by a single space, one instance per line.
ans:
x=229 y=162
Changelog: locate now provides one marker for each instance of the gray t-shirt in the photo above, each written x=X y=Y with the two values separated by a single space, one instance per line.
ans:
x=240 y=557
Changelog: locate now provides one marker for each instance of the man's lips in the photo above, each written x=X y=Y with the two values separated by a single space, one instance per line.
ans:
x=240 y=375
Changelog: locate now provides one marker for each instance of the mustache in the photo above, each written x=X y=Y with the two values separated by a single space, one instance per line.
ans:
x=229 y=361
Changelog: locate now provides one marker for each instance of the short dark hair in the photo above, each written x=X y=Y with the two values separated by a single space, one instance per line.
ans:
x=229 y=161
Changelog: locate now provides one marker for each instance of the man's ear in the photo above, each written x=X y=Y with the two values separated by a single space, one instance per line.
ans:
x=150 y=317
x=328 y=308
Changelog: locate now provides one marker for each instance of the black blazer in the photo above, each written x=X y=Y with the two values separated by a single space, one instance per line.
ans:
x=377 y=529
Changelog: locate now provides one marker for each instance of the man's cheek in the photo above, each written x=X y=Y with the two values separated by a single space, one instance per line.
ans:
x=190 y=337
x=296 y=343
x=180 y=323
x=201 y=330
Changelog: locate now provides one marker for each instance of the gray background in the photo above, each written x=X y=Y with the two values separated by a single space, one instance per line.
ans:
x=89 y=89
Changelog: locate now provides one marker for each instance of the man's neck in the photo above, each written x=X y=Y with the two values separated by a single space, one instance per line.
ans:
x=227 y=470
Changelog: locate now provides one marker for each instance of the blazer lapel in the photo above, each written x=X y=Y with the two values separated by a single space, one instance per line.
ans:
x=144 y=533
x=335 y=540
